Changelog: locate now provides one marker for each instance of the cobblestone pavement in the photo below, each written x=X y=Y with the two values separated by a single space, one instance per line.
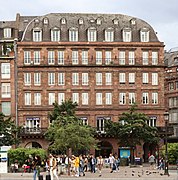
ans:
x=125 y=173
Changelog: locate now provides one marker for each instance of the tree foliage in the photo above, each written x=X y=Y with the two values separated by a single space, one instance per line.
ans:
x=8 y=131
x=132 y=129
x=66 y=131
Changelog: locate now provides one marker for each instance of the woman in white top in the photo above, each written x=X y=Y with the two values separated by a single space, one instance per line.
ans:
x=100 y=164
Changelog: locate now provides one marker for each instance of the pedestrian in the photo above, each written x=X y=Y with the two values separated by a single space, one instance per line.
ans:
x=53 y=167
x=161 y=164
x=36 y=167
x=111 y=162
x=100 y=164
x=93 y=164
x=85 y=168
x=81 y=166
x=151 y=160
x=76 y=166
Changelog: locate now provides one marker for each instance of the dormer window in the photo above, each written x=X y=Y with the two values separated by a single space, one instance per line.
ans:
x=7 y=32
x=37 y=21
x=116 y=21
x=109 y=35
x=92 y=34
x=80 y=21
x=98 y=21
x=63 y=21
x=133 y=21
x=45 y=21
x=92 y=20
x=73 y=34
x=127 y=35
x=55 y=34
x=37 y=35
x=144 y=35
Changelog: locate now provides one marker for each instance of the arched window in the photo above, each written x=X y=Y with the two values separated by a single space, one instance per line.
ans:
x=45 y=21
x=127 y=35
x=37 y=34
x=63 y=21
x=80 y=21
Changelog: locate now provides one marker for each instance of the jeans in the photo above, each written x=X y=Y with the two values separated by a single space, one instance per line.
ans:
x=34 y=174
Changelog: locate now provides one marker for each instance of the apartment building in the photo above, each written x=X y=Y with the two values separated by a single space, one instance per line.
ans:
x=104 y=62
x=171 y=90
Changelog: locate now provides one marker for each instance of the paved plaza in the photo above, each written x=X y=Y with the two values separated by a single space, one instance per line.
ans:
x=125 y=173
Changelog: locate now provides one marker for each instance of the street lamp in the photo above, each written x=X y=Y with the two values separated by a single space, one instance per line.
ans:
x=166 y=119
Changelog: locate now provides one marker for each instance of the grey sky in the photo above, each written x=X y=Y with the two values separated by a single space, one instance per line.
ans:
x=162 y=15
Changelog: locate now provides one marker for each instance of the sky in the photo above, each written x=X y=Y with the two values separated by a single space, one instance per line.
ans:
x=162 y=15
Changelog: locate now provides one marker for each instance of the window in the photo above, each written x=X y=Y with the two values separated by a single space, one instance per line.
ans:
x=99 y=100
x=131 y=57
x=61 y=79
x=5 y=70
x=100 y=123
x=5 y=90
x=122 y=57
x=145 y=58
x=55 y=35
x=51 y=58
x=27 y=57
x=84 y=78
x=61 y=98
x=108 y=57
x=116 y=21
x=37 y=35
x=152 y=121
x=75 y=97
x=84 y=120
x=98 y=79
x=98 y=57
x=63 y=21
x=61 y=57
x=108 y=97
x=131 y=78
x=51 y=79
x=131 y=98
x=6 y=108
x=144 y=98
x=154 y=78
x=176 y=84
x=33 y=124
x=37 y=99
x=80 y=21
x=145 y=78
x=91 y=34
x=51 y=98
x=122 y=78
x=171 y=86
x=109 y=35
x=37 y=79
x=154 y=58
x=36 y=57
x=27 y=79
x=108 y=77
x=27 y=98
x=75 y=79
x=122 y=98
x=7 y=33
x=144 y=35
x=73 y=34
x=155 y=98
x=45 y=21
x=74 y=57
x=98 y=21
x=126 y=34
x=84 y=57
x=84 y=98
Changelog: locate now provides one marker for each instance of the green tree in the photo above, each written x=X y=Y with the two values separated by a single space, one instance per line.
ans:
x=8 y=131
x=66 y=131
x=132 y=129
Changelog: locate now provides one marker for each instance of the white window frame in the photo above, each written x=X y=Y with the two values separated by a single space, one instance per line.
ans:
x=108 y=55
x=154 y=79
x=36 y=57
x=85 y=79
x=27 y=98
x=37 y=98
x=73 y=34
x=145 y=78
x=109 y=35
x=122 y=57
x=154 y=58
x=5 y=71
x=37 y=35
x=122 y=98
x=108 y=97
x=5 y=90
x=37 y=79
x=127 y=35
x=99 y=57
x=61 y=98
x=131 y=57
x=51 y=57
x=51 y=98
x=92 y=34
x=99 y=79
x=122 y=78
x=75 y=79
x=75 y=57
x=27 y=79
x=145 y=98
x=61 y=57
x=6 y=108
x=7 y=32
x=61 y=79
x=131 y=98
x=145 y=57
x=27 y=57
x=51 y=78
x=108 y=77
x=75 y=97
x=99 y=99
x=131 y=78
x=85 y=98
x=55 y=35
x=84 y=57
x=144 y=35
x=154 y=98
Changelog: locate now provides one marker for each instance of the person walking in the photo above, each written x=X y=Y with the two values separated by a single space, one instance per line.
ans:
x=111 y=162
x=53 y=167
x=151 y=160
x=100 y=164
x=36 y=167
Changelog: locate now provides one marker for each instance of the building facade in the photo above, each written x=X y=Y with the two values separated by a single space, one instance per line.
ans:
x=104 y=62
